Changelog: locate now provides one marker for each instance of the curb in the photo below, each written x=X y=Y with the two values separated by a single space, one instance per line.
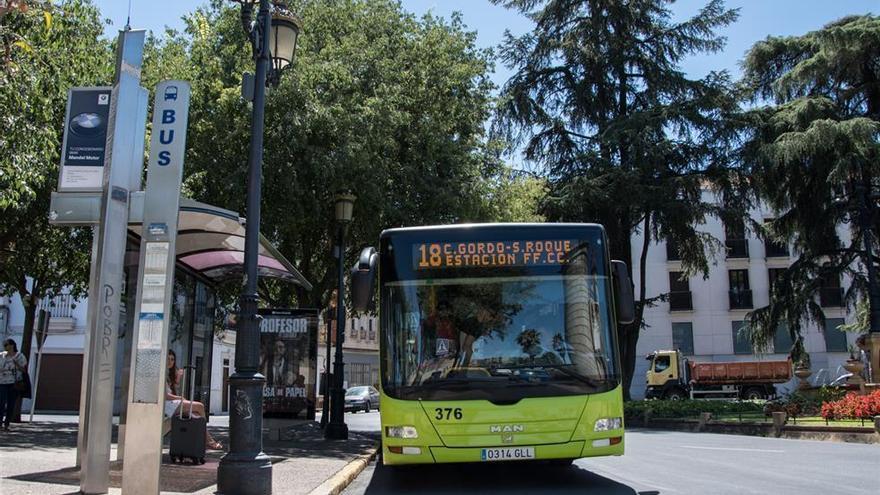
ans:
x=346 y=475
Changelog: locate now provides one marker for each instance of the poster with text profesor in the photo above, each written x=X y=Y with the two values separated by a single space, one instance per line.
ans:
x=288 y=360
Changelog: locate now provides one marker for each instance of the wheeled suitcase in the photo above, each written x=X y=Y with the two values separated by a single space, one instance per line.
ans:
x=188 y=434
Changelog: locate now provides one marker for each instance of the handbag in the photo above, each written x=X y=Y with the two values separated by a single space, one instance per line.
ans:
x=23 y=385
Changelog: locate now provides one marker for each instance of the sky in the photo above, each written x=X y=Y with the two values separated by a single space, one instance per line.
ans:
x=758 y=19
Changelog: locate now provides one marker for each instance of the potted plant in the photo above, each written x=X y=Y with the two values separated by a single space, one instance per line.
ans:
x=855 y=366
x=802 y=370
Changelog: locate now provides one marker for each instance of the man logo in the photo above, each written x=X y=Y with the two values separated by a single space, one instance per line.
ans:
x=506 y=429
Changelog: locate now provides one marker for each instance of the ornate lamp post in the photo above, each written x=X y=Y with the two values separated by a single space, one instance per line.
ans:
x=245 y=469
x=337 y=429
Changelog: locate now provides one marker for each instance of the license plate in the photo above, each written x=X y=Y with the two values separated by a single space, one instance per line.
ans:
x=508 y=454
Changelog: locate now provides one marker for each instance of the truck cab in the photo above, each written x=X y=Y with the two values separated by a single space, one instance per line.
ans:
x=666 y=376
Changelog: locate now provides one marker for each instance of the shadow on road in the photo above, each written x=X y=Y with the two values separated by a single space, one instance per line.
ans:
x=506 y=478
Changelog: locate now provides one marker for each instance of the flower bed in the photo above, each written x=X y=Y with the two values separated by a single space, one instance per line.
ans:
x=853 y=406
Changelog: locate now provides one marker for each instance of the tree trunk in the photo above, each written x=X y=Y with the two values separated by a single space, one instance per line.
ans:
x=631 y=341
x=27 y=332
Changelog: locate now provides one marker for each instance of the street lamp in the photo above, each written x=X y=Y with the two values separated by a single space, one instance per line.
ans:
x=245 y=469
x=336 y=429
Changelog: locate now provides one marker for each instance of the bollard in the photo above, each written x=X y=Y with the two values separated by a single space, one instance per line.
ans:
x=779 y=419
x=877 y=424
x=647 y=416
x=704 y=418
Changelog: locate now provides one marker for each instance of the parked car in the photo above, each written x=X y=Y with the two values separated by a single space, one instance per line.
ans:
x=361 y=399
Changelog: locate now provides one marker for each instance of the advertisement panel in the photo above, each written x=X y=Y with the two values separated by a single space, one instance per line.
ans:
x=288 y=360
x=84 y=143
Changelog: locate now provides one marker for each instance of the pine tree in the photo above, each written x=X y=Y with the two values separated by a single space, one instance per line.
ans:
x=627 y=139
x=812 y=154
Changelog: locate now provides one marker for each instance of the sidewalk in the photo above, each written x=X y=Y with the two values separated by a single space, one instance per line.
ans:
x=38 y=458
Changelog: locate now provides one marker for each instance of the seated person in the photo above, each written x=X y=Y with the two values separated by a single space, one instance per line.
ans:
x=174 y=402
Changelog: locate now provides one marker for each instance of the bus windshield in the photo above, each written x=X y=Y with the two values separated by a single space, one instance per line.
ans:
x=498 y=333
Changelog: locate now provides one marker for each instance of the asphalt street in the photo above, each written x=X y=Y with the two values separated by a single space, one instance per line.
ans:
x=656 y=462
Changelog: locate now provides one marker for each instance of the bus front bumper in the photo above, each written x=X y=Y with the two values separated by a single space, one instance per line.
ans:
x=436 y=455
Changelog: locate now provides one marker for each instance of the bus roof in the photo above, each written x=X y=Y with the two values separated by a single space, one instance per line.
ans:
x=465 y=226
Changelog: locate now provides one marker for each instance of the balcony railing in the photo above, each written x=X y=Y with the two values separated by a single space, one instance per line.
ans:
x=737 y=248
x=831 y=297
x=775 y=249
x=740 y=299
x=680 y=301
x=60 y=306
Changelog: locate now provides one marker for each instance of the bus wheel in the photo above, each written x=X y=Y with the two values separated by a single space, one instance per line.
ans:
x=676 y=394
x=753 y=393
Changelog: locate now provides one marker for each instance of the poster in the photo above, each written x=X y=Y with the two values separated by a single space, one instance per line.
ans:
x=84 y=142
x=288 y=360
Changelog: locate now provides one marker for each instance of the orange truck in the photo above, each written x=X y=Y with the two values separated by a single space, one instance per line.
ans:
x=672 y=376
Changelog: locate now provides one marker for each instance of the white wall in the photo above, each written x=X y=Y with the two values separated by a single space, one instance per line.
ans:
x=711 y=317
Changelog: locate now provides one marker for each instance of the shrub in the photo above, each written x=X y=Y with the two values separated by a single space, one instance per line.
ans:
x=675 y=409
x=853 y=406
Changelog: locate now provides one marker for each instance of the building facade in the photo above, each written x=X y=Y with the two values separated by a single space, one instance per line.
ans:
x=702 y=317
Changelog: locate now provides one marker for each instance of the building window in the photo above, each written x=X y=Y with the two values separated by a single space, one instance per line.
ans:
x=773 y=276
x=683 y=337
x=741 y=343
x=830 y=292
x=679 y=292
x=835 y=340
x=740 y=294
x=773 y=249
x=782 y=342
x=672 y=252
x=735 y=239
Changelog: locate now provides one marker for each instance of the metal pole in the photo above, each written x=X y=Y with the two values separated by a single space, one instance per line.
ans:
x=43 y=325
x=325 y=410
x=337 y=429
x=125 y=143
x=245 y=469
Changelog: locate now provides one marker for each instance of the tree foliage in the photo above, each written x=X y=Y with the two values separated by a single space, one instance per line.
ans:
x=627 y=140
x=377 y=101
x=48 y=49
x=812 y=153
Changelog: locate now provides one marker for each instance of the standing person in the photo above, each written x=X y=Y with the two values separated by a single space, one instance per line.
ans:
x=12 y=364
x=174 y=402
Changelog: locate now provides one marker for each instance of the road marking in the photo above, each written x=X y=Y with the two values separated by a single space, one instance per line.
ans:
x=734 y=449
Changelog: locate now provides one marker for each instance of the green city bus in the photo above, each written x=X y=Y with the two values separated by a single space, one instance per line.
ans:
x=497 y=342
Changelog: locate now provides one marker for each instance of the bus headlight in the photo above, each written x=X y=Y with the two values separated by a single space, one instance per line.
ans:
x=607 y=424
x=401 y=432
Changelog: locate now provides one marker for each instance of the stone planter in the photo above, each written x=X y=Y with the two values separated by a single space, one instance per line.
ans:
x=779 y=420
x=802 y=374
x=855 y=367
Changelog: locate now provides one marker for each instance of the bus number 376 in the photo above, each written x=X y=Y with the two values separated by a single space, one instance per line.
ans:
x=449 y=413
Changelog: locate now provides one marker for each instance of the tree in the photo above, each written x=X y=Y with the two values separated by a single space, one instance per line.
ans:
x=812 y=154
x=377 y=102
x=48 y=49
x=626 y=139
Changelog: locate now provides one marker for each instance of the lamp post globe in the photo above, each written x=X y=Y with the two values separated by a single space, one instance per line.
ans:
x=246 y=469
x=337 y=429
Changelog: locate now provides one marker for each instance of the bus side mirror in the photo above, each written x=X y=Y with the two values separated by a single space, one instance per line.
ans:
x=363 y=280
x=623 y=293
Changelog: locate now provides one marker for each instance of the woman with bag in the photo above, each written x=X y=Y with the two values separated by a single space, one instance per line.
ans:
x=13 y=366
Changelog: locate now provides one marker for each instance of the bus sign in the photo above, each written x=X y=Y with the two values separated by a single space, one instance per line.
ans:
x=536 y=252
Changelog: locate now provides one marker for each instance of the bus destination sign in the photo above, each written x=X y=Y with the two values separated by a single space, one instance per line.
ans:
x=442 y=255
